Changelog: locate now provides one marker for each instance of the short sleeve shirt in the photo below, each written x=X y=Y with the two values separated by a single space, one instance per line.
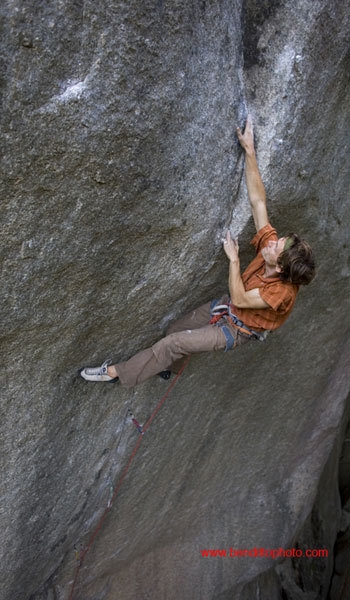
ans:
x=279 y=295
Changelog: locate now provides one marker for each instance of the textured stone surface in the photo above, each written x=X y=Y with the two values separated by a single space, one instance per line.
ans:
x=120 y=172
x=340 y=586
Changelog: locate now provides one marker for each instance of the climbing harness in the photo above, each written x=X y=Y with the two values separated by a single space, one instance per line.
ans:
x=80 y=555
x=222 y=316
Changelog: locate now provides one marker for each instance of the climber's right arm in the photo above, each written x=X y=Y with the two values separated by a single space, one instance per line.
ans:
x=255 y=186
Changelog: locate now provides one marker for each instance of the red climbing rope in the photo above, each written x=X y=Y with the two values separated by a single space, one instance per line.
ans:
x=86 y=549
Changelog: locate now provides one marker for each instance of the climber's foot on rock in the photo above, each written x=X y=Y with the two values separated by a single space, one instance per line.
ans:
x=106 y=372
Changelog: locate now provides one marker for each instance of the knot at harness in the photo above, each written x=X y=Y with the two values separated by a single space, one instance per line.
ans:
x=222 y=316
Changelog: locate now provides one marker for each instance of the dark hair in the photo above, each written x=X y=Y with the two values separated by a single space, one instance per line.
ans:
x=297 y=261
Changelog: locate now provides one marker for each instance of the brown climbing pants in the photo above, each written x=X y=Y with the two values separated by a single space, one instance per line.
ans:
x=189 y=335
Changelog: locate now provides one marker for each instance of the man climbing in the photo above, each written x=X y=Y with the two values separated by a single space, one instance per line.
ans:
x=260 y=300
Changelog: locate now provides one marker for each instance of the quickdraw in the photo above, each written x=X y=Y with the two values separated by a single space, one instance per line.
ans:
x=135 y=422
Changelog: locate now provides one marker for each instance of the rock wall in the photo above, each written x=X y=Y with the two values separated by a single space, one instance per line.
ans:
x=120 y=173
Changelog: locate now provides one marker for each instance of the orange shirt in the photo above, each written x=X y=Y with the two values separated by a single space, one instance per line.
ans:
x=278 y=294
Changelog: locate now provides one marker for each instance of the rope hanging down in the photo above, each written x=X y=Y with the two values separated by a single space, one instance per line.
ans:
x=142 y=431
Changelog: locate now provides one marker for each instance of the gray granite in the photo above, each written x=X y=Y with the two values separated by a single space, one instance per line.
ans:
x=120 y=173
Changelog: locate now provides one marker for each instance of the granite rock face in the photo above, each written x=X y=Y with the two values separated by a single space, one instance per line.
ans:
x=120 y=173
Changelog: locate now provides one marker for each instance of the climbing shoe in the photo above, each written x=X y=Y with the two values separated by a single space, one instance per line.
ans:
x=98 y=373
x=165 y=375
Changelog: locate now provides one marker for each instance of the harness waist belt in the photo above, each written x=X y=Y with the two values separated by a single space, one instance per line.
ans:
x=223 y=311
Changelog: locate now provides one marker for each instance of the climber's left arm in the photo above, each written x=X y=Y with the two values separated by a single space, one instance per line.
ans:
x=239 y=296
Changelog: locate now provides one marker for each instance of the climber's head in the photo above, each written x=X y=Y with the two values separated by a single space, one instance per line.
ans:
x=296 y=262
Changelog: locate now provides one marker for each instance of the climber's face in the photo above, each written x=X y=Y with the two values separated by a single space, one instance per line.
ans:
x=272 y=251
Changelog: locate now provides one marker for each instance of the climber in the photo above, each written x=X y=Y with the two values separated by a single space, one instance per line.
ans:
x=259 y=301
